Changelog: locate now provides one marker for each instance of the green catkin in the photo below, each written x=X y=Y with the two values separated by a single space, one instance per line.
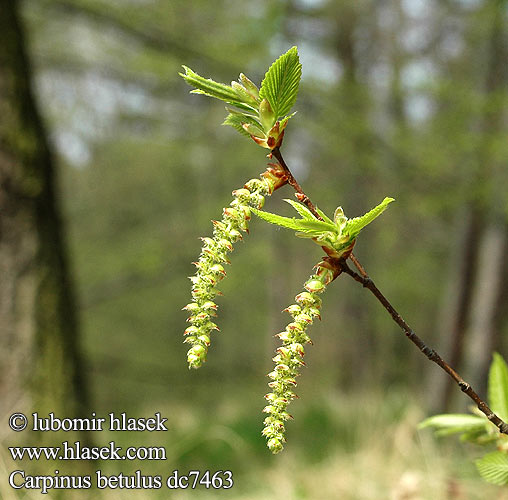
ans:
x=290 y=355
x=213 y=257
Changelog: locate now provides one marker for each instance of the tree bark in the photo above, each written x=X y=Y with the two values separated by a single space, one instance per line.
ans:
x=483 y=337
x=475 y=312
x=40 y=362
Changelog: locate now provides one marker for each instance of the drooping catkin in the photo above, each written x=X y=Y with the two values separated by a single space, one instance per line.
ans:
x=214 y=255
x=289 y=357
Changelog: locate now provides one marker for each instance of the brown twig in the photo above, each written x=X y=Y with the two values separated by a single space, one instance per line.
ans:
x=363 y=278
x=300 y=195
x=430 y=353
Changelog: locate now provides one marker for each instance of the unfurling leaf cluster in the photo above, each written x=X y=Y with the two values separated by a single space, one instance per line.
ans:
x=493 y=467
x=261 y=114
x=336 y=235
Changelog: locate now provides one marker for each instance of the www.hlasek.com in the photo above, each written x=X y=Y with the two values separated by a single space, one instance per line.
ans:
x=20 y=479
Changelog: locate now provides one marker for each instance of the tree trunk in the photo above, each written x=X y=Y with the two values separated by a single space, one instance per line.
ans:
x=465 y=277
x=40 y=362
x=474 y=304
x=483 y=337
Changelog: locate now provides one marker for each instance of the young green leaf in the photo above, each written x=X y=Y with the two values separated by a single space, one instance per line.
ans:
x=278 y=220
x=210 y=88
x=250 y=86
x=498 y=386
x=354 y=226
x=337 y=235
x=236 y=121
x=493 y=467
x=311 y=228
x=285 y=120
x=317 y=226
x=324 y=216
x=280 y=85
x=242 y=93
x=453 y=423
x=302 y=210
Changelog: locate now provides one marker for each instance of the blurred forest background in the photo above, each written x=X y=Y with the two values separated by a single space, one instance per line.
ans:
x=402 y=98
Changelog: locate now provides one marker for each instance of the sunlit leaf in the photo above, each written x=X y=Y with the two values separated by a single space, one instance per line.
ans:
x=236 y=121
x=493 y=467
x=354 y=226
x=301 y=209
x=280 y=85
x=324 y=216
x=453 y=422
x=278 y=220
x=210 y=88
x=498 y=386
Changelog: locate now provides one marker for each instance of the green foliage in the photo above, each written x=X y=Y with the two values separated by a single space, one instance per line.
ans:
x=498 y=387
x=454 y=423
x=280 y=85
x=210 y=88
x=354 y=226
x=238 y=120
x=336 y=235
x=308 y=225
x=260 y=108
x=493 y=467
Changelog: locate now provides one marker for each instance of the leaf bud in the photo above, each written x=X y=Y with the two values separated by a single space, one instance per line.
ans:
x=339 y=218
x=249 y=86
x=243 y=94
x=254 y=131
x=266 y=115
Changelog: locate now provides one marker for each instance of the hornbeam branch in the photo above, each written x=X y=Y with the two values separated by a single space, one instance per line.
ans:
x=363 y=278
